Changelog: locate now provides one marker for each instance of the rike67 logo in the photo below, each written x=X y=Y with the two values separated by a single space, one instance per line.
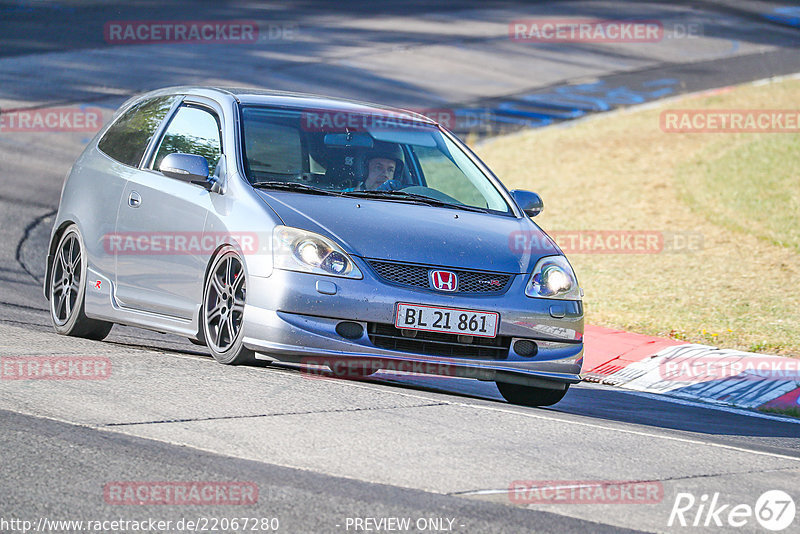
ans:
x=774 y=510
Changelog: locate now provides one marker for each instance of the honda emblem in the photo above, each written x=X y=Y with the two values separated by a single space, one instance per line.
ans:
x=444 y=280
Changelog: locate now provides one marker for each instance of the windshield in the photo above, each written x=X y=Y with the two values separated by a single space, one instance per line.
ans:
x=377 y=156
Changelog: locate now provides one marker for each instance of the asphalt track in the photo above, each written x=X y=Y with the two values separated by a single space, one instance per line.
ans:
x=323 y=451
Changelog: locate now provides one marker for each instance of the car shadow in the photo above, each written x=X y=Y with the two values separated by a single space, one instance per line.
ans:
x=602 y=402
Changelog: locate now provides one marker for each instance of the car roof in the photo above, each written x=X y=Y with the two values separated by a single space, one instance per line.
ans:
x=285 y=99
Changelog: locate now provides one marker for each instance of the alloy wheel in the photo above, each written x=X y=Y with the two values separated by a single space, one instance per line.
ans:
x=224 y=303
x=66 y=282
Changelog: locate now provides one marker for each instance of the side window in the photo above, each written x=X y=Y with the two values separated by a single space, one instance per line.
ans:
x=273 y=148
x=192 y=131
x=127 y=139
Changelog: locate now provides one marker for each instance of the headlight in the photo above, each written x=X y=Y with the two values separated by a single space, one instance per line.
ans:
x=553 y=278
x=300 y=250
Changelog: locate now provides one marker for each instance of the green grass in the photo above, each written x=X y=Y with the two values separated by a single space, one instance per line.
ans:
x=751 y=186
x=739 y=193
x=791 y=412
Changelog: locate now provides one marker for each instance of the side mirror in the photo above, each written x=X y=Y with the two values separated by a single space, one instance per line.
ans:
x=530 y=202
x=187 y=167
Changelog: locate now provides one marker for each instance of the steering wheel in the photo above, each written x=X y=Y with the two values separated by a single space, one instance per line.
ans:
x=390 y=185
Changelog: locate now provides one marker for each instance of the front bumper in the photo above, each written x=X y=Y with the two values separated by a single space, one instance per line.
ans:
x=292 y=316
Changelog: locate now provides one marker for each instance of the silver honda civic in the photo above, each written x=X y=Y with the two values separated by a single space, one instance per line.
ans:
x=335 y=234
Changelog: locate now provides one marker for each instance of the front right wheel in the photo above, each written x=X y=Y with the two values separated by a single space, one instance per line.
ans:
x=529 y=395
x=223 y=310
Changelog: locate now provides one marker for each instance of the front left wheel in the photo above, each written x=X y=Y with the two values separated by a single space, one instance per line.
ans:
x=67 y=290
x=223 y=310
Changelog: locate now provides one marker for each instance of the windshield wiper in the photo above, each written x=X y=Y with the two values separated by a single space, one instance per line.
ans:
x=293 y=186
x=398 y=195
x=402 y=195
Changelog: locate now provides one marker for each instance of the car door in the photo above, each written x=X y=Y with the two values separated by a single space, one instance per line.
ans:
x=103 y=176
x=162 y=219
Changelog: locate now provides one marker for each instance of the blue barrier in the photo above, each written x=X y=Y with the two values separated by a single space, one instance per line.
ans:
x=563 y=103
x=785 y=15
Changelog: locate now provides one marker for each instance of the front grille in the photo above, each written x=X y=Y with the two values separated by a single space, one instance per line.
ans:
x=408 y=274
x=387 y=336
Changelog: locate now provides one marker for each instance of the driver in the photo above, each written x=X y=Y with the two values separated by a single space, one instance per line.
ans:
x=379 y=171
x=382 y=164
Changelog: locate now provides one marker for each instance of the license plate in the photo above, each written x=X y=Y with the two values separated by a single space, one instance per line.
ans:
x=446 y=320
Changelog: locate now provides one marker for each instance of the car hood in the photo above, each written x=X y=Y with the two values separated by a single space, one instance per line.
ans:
x=416 y=233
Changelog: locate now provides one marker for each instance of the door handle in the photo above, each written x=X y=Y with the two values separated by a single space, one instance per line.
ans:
x=134 y=199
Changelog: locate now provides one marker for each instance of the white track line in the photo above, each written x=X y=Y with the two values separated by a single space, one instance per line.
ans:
x=597 y=426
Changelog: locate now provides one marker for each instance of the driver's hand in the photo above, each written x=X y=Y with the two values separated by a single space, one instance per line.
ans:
x=390 y=185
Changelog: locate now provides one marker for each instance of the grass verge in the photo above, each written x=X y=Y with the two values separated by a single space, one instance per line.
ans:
x=791 y=412
x=726 y=204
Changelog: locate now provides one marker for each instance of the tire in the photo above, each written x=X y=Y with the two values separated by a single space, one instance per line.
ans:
x=68 y=289
x=529 y=395
x=222 y=314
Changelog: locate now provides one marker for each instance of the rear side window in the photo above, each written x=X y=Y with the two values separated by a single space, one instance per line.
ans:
x=128 y=137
